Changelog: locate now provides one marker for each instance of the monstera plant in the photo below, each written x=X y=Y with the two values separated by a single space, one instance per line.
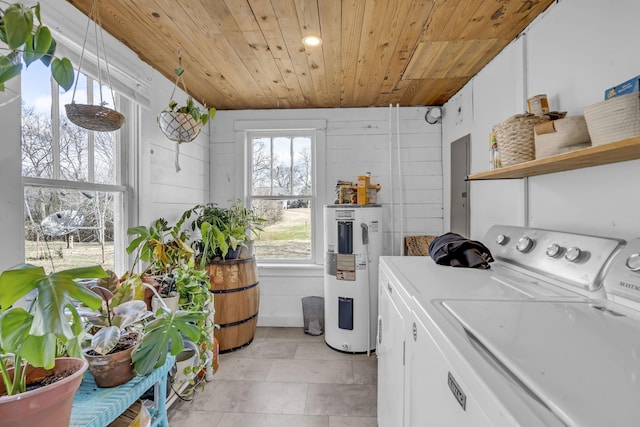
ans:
x=31 y=338
x=27 y=40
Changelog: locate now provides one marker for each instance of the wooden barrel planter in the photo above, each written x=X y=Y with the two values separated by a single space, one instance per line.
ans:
x=236 y=299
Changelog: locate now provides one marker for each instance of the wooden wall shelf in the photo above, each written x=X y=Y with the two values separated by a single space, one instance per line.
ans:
x=620 y=151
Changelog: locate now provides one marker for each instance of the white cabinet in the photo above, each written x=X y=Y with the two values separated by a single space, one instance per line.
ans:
x=393 y=320
x=437 y=395
x=417 y=385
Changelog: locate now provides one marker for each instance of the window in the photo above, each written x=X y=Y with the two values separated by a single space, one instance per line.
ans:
x=74 y=185
x=282 y=187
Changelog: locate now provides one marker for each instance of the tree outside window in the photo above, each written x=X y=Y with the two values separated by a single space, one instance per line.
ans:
x=73 y=195
x=281 y=191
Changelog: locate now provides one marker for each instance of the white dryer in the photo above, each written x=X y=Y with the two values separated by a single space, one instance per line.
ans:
x=465 y=347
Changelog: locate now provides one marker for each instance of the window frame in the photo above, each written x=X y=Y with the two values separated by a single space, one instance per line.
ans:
x=126 y=142
x=316 y=129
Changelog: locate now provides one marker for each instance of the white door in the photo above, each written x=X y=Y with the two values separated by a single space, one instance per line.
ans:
x=393 y=316
x=437 y=396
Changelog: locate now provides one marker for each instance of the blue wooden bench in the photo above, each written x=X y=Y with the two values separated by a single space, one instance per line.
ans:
x=96 y=407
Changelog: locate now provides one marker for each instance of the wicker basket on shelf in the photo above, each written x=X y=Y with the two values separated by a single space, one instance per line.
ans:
x=615 y=119
x=515 y=138
x=94 y=117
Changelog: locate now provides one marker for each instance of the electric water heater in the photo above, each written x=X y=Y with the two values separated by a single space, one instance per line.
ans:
x=353 y=244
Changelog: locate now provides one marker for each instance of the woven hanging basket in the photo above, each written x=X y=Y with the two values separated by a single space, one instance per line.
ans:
x=94 y=117
x=179 y=127
x=515 y=138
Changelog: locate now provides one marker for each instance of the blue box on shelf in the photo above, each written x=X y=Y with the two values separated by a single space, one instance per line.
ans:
x=629 y=86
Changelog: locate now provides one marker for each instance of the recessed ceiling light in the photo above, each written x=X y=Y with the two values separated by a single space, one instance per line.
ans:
x=311 y=40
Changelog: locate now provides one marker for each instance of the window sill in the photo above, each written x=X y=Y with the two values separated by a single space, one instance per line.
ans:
x=290 y=270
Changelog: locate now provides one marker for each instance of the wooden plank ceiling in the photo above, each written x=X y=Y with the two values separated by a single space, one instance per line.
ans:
x=248 y=54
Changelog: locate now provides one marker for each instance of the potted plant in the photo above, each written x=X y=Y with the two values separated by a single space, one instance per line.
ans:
x=183 y=123
x=223 y=231
x=193 y=288
x=249 y=220
x=165 y=332
x=145 y=338
x=162 y=247
x=28 y=40
x=116 y=329
x=168 y=292
x=31 y=337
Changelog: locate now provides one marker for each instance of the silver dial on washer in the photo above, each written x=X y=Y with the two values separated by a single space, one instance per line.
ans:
x=633 y=262
x=501 y=239
x=524 y=244
x=553 y=250
x=573 y=254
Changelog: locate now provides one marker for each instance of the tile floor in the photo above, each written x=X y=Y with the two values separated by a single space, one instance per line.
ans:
x=285 y=378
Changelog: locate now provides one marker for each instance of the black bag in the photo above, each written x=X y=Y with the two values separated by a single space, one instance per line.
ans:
x=454 y=250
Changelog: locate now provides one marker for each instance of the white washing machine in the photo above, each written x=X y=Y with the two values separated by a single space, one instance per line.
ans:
x=508 y=346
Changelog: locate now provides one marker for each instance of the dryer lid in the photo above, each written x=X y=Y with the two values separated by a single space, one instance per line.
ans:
x=581 y=359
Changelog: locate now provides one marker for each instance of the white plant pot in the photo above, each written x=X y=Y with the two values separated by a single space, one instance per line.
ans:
x=188 y=357
x=171 y=302
x=179 y=127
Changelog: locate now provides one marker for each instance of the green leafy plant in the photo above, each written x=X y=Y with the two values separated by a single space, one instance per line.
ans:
x=165 y=333
x=162 y=246
x=193 y=287
x=223 y=229
x=217 y=241
x=119 y=319
x=33 y=335
x=190 y=108
x=27 y=41
x=246 y=218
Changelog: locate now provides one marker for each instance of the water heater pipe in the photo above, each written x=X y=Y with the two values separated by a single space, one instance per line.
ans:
x=401 y=246
x=365 y=242
x=392 y=207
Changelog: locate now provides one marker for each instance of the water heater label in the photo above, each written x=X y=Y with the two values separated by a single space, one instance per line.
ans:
x=346 y=267
x=345 y=214
x=361 y=261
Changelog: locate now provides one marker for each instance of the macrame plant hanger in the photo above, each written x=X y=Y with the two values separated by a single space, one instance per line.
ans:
x=95 y=117
x=178 y=126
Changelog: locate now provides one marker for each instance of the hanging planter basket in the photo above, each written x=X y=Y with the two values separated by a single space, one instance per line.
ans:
x=179 y=127
x=88 y=116
x=94 y=117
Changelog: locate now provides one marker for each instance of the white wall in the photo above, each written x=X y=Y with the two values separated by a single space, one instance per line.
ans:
x=164 y=191
x=572 y=53
x=357 y=141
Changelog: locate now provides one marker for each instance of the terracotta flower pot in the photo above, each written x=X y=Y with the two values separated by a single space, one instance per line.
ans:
x=112 y=369
x=48 y=406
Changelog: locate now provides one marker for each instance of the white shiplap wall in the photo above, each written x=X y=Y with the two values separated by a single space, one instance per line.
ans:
x=357 y=141
x=576 y=50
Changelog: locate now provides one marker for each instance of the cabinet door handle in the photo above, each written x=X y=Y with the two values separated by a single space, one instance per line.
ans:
x=389 y=287
x=415 y=332
x=379 y=329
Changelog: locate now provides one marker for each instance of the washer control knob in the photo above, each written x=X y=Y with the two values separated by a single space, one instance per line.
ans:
x=553 y=250
x=573 y=254
x=502 y=239
x=633 y=262
x=524 y=244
